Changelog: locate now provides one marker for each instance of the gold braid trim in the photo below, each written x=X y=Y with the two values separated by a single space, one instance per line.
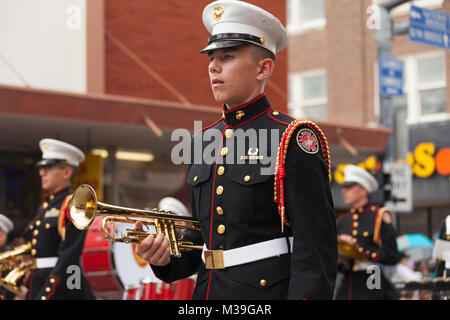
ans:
x=378 y=221
x=62 y=217
x=280 y=171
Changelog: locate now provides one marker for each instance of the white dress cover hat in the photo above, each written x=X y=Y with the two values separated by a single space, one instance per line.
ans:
x=355 y=174
x=55 y=151
x=174 y=205
x=233 y=23
x=6 y=225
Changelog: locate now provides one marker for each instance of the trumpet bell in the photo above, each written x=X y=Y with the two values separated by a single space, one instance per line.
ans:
x=83 y=207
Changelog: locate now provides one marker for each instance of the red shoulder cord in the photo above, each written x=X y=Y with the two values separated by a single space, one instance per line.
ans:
x=280 y=171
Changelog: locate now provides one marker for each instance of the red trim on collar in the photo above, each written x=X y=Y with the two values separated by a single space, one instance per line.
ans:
x=245 y=104
x=258 y=115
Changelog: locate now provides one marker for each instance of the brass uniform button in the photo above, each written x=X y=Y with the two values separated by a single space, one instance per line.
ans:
x=48 y=289
x=224 y=151
x=360 y=249
x=195 y=178
x=365 y=234
x=45 y=205
x=38 y=223
x=219 y=211
x=219 y=190
x=43 y=298
x=355 y=224
x=247 y=178
x=221 y=170
x=275 y=113
x=360 y=210
x=35 y=232
x=263 y=283
x=34 y=241
x=239 y=114
x=354 y=240
x=52 y=197
x=221 y=229
x=352 y=210
x=30 y=227
x=52 y=280
x=355 y=217
x=374 y=255
x=33 y=252
x=228 y=133
x=355 y=232
x=47 y=226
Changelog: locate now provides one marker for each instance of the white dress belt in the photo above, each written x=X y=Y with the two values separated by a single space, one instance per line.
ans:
x=363 y=265
x=43 y=263
x=253 y=252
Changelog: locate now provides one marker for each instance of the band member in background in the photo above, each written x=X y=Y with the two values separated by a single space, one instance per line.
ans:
x=253 y=248
x=441 y=270
x=6 y=226
x=368 y=230
x=56 y=243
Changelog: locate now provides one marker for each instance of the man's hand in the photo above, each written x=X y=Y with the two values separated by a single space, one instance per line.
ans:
x=22 y=293
x=154 y=250
x=346 y=238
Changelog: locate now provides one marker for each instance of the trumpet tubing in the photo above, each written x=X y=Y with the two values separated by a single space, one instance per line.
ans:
x=84 y=208
x=19 y=261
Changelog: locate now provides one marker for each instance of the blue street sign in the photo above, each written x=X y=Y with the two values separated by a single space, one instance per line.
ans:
x=429 y=27
x=391 y=76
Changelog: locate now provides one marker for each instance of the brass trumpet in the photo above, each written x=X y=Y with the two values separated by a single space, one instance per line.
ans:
x=84 y=208
x=348 y=250
x=20 y=261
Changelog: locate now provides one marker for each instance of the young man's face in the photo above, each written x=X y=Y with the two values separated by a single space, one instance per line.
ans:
x=232 y=74
x=55 y=177
x=353 y=194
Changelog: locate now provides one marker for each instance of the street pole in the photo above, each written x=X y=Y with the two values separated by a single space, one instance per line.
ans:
x=384 y=36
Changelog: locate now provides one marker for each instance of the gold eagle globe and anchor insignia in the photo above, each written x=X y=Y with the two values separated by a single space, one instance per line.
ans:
x=218 y=12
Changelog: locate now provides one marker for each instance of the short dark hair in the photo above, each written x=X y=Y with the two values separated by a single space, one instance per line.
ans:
x=260 y=53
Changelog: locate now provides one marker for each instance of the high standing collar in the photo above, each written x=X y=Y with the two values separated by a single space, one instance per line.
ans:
x=50 y=196
x=246 y=112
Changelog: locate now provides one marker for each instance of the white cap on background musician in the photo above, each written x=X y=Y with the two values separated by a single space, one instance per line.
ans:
x=6 y=225
x=355 y=174
x=233 y=23
x=55 y=151
x=174 y=206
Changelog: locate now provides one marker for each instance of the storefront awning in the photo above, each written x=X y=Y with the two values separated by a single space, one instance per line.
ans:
x=27 y=115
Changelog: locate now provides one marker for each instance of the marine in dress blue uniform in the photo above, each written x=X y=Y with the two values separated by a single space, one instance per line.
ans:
x=266 y=212
x=56 y=242
x=373 y=239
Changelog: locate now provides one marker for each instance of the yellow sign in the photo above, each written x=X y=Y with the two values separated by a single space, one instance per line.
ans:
x=90 y=172
x=371 y=164
x=424 y=161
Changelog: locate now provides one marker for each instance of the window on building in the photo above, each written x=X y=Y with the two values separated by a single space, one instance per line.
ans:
x=431 y=84
x=425 y=88
x=308 y=95
x=304 y=15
